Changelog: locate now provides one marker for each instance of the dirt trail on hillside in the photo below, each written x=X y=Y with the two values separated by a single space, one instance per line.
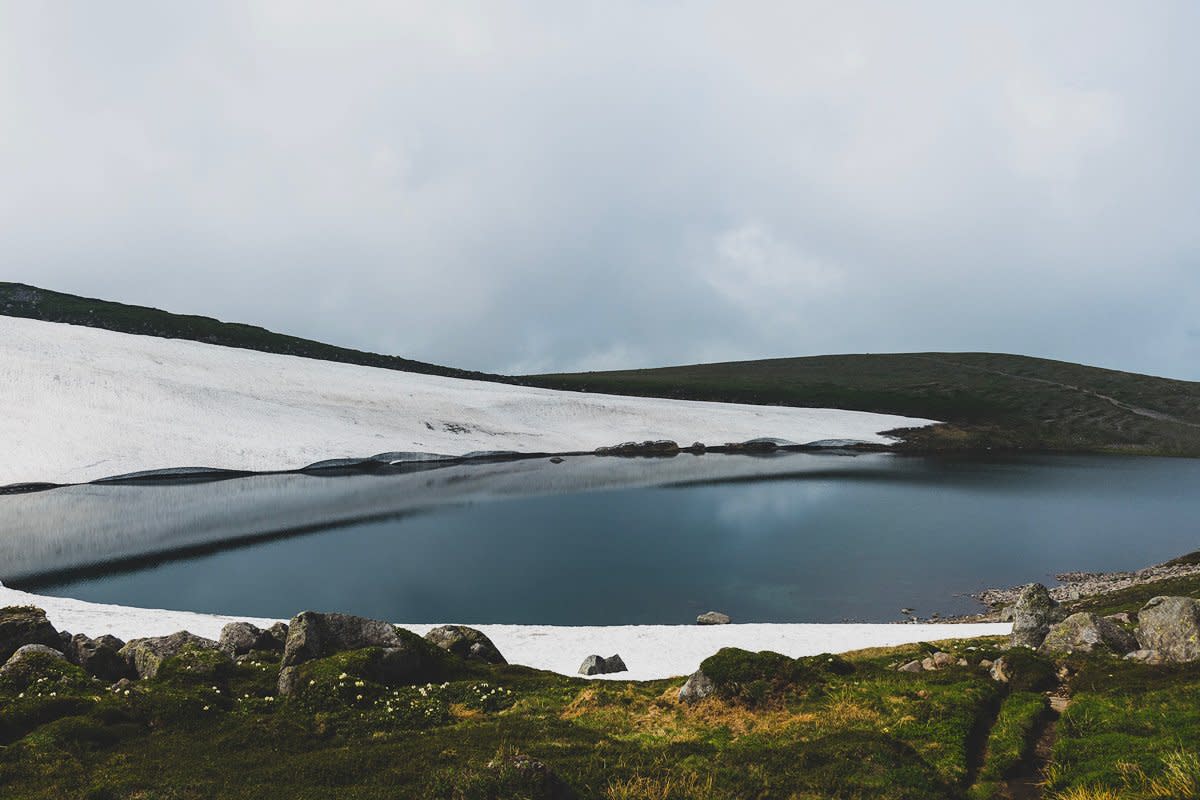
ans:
x=1141 y=412
x=1029 y=783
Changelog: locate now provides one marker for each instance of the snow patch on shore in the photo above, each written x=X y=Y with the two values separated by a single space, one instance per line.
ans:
x=81 y=404
x=650 y=651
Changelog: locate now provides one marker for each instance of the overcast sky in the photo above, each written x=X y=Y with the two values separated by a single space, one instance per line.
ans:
x=536 y=186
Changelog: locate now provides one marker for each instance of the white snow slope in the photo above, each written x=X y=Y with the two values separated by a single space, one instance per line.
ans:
x=79 y=404
x=650 y=651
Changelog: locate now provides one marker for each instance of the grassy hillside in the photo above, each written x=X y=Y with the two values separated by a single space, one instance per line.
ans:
x=990 y=400
x=20 y=300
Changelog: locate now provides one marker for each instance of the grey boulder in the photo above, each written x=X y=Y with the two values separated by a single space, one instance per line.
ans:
x=1171 y=625
x=22 y=625
x=1144 y=657
x=713 y=618
x=100 y=657
x=24 y=652
x=312 y=635
x=1033 y=614
x=599 y=665
x=465 y=642
x=1085 y=633
x=696 y=688
x=239 y=638
x=145 y=656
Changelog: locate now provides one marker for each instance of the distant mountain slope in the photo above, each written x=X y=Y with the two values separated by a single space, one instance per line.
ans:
x=991 y=400
x=21 y=300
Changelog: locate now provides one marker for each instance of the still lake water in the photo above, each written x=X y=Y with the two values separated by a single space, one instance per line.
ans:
x=795 y=538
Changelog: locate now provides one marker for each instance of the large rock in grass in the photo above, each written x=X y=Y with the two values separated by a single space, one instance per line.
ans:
x=1086 y=633
x=529 y=777
x=100 y=657
x=465 y=642
x=239 y=638
x=1171 y=627
x=313 y=635
x=697 y=687
x=145 y=656
x=27 y=652
x=22 y=625
x=1033 y=614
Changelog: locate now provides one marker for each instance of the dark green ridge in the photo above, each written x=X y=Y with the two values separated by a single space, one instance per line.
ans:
x=21 y=300
x=991 y=401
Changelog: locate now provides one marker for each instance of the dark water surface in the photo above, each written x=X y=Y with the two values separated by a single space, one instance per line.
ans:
x=798 y=538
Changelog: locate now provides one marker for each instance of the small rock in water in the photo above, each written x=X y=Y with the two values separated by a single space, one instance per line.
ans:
x=556 y=460
x=906 y=612
x=713 y=618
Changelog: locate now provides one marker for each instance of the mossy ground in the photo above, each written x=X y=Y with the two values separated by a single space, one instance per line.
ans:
x=851 y=727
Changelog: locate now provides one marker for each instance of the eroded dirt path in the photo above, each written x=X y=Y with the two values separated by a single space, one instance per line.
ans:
x=1029 y=783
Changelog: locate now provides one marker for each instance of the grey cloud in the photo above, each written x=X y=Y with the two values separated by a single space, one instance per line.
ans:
x=537 y=186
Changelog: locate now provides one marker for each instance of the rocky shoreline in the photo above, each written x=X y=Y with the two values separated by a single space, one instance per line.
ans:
x=1080 y=586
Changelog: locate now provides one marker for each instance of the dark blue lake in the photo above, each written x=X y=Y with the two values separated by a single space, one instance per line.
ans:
x=792 y=538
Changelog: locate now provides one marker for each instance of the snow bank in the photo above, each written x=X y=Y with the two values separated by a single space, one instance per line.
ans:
x=79 y=404
x=650 y=651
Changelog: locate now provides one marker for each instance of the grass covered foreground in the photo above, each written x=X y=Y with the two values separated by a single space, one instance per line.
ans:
x=827 y=726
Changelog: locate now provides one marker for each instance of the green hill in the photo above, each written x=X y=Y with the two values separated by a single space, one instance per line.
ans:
x=990 y=400
x=21 y=300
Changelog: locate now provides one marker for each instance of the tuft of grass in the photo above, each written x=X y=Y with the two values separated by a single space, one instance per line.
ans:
x=691 y=786
x=1088 y=793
